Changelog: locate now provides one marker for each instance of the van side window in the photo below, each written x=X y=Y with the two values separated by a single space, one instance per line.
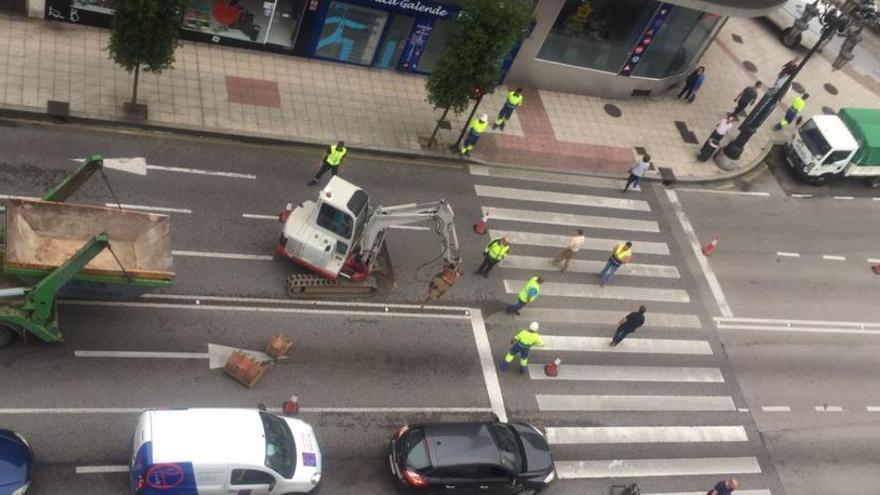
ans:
x=836 y=156
x=250 y=477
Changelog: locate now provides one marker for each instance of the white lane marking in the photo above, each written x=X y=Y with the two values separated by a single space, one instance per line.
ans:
x=553 y=218
x=873 y=260
x=294 y=302
x=691 y=235
x=644 y=434
x=74 y=410
x=607 y=292
x=589 y=266
x=787 y=254
x=635 y=403
x=738 y=492
x=596 y=316
x=743 y=409
x=149 y=208
x=833 y=257
x=785 y=322
x=828 y=409
x=551 y=177
x=717 y=191
x=259 y=217
x=253 y=309
x=141 y=354
x=802 y=326
x=631 y=344
x=876 y=198
x=560 y=241
x=319 y=410
x=101 y=469
x=199 y=171
x=844 y=197
x=775 y=408
x=232 y=256
x=550 y=197
x=487 y=364
x=635 y=468
x=873 y=408
x=591 y=372
x=15 y=196
x=801 y=195
x=770 y=328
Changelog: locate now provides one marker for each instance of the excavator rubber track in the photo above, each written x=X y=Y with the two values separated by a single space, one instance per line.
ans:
x=307 y=284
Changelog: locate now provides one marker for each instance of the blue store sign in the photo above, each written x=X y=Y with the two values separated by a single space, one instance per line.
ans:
x=415 y=7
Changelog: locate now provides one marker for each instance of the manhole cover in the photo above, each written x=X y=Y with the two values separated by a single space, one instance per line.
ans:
x=750 y=66
x=798 y=87
x=612 y=110
x=736 y=37
x=832 y=89
x=828 y=111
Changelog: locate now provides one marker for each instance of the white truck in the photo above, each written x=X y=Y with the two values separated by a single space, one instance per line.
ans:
x=842 y=145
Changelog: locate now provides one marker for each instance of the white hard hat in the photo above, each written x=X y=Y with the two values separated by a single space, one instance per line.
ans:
x=484 y=117
x=533 y=326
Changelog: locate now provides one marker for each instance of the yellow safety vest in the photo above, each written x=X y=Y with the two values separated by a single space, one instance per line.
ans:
x=622 y=254
x=334 y=158
x=798 y=104
x=496 y=250
x=478 y=127
x=531 y=284
x=514 y=99
x=528 y=338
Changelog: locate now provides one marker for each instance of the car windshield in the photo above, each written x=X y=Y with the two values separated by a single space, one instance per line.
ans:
x=280 y=449
x=416 y=450
x=814 y=139
x=511 y=455
x=336 y=221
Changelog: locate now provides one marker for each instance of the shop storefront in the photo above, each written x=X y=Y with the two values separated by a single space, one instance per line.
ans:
x=405 y=35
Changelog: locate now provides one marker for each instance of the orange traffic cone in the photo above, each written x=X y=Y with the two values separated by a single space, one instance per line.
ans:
x=552 y=369
x=708 y=249
x=876 y=269
x=481 y=226
x=291 y=406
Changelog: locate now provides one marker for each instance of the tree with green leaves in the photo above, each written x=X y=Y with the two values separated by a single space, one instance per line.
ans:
x=144 y=36
x=486 y=31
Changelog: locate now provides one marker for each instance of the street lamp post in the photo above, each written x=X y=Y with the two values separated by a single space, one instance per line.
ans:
x=834 y=22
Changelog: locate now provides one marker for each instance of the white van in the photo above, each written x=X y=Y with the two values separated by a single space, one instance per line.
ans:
x=784 y=18
x=223 y=451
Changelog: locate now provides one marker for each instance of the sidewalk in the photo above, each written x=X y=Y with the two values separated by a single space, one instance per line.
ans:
x=253 y=93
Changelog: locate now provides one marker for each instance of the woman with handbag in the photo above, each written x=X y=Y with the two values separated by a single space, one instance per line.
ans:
x=692 y=84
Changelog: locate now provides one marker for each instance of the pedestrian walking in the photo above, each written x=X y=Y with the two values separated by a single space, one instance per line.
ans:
x=527 y=294
x=745 y=98
x=629 y=324
x=574 y=245
x=797 y=106
x=522 y=343
x=495 y=251
x=692 y=84
x=331 y=161
x=635 y=174
x=723 y=127
x=784 y=73
x=512 y=102
x=474 y=131
x=621 y=255
x=725 y=487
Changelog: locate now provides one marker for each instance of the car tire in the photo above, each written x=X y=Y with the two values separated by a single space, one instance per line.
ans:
x=790 y=43
x=529 y=491
x=874 y=183
x=7 y=336
x=820 y=181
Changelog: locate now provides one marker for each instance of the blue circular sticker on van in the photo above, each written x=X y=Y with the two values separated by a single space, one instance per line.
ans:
x=164 y=476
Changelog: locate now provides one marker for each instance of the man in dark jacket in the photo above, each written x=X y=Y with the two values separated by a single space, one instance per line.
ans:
x=628 y=325
x=745 y=98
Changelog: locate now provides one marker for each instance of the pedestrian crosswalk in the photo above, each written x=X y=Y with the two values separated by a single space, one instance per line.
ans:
x=656 y=409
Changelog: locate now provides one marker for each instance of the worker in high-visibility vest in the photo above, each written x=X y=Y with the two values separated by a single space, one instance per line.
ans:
x=527 y=294
x=513 y=101
x=476 y=129
x=522 y=342
x=332 y=161
x=495 y=251
x=621 y=255
x=797 y=106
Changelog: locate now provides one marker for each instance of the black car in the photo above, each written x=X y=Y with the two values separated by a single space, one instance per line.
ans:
x=16 y=463
x=471 y=458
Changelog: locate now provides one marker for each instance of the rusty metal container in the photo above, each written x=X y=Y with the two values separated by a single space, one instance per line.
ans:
x=244 y=368
x=278 y=347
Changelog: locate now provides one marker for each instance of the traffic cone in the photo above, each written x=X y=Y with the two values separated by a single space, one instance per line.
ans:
x=876 y=269
x=552 y=369
x=480 y=227
x=708 y=249
x=291 y=407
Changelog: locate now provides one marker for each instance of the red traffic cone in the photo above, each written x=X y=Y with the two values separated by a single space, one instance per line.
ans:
x=552 y=369
x=876 y=269
x=480 y=227
x=291 y=406
x=708 y=249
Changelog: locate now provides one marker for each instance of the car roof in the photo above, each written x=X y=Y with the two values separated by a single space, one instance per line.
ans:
x=208 y=436
x=455 y=444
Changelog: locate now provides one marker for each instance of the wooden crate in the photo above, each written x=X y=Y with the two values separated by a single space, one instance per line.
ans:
x=244 y=368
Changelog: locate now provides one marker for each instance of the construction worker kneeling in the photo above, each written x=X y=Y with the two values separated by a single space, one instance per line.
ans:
x=522 y=342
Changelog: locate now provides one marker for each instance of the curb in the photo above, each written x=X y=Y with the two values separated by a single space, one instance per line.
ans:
x=29 y=113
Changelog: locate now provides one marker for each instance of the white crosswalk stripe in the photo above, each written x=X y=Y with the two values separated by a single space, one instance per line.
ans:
x=560 y=241
x=645 y=434
x=603 y=317
x=644 y=403
x=589 y=266
x=738 y=492
x=635 y=468
x=608 y=292
x=562 y=198
x=630 y=344
x=586 y=372
x=548 y=177
x=572 y=220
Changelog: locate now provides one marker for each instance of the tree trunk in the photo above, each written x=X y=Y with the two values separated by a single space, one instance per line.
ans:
x=437 y=127
x=134 y=90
